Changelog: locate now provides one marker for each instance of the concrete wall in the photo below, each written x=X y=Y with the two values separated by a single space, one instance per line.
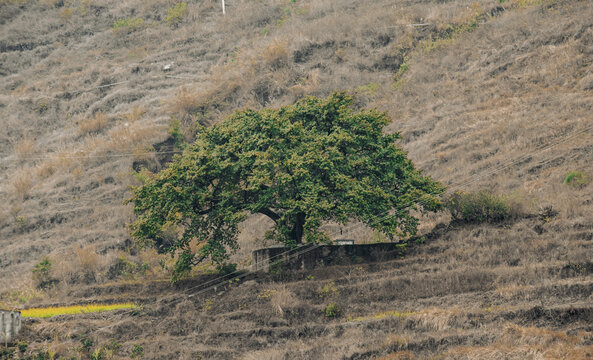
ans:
x=10 y=325
x=307 y=257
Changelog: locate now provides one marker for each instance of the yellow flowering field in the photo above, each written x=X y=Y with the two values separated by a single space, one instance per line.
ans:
x=74 y=309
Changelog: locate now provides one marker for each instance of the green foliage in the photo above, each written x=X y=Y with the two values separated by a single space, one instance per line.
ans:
x=125 y=268
x=300 y=165
x=328 y=290
x=478 y=207
x=141 y=175
x=6 y=352
x=97 y=354
x=403 y=68
x=21 y=222
x=87 y=343
x=577 y=179
x=369 y=90
x=125 y=26
x=174 y=130
x=137 y=352
x=176 y=14
x=332 y=310
x=226 y=268
x=42 y=272
x=277 y=267
x=22 y=346
x=207 y=306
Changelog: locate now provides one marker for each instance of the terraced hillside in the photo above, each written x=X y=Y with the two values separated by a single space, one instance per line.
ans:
x=487 y=95
x=466 y=292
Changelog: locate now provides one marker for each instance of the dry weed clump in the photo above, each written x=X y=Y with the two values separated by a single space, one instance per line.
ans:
x=45 y=169
x=93 y=124
x=186 y=102
x=282 y=298
x=134 y=115
x=127 y=137
x=276 y=55
x=22 y=182
x=435 y=319
x=60 y=162
x=80 y=265
x=25 y=148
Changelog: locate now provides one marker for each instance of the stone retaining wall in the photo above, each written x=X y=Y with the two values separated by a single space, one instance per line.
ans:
x=307 y=257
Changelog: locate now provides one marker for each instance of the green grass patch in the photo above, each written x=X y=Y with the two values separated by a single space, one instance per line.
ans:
x=577 y=179
x=128 y=25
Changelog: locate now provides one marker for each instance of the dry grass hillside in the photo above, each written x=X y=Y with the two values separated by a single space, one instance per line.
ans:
x=487 y=94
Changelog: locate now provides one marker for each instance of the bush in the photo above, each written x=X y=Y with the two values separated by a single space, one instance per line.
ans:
x=332 y=310
x=176 y=14
x=22 y=346
x=226 y=268
x=137 y=352
x=128 y=25
x=42 y=273
x=577 y=179
x=478 y=207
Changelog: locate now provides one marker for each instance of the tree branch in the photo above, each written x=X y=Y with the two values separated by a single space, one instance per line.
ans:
x=269 y=213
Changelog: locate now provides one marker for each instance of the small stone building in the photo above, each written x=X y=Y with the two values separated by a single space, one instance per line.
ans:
x=10 y=325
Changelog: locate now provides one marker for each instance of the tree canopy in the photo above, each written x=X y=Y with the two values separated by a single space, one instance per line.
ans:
x=301 y=165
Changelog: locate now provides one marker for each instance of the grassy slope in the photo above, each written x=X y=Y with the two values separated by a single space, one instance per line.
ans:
x=518 y=82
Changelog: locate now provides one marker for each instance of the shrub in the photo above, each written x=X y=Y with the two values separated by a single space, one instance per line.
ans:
x=42 y=273
x=226 y=268
x=137 y=352
x=577 y=179
x=480 y=206
x=277 y=267
x=276 y=55
x=126 y=26
x=176 y=14
x=22 y=345
x=332 y=310
x=328 y=290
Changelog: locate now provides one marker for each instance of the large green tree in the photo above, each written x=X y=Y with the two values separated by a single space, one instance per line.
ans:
x=300 y=165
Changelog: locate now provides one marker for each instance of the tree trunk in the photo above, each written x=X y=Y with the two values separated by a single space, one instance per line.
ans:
x=296 y=233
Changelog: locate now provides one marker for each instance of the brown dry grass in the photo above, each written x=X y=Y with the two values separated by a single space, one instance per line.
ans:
x=22 y=183
x=281 y=298
x=527 y=342
x=134 y=115
x=186 y=102
x=25 y=148
x=94 y=124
